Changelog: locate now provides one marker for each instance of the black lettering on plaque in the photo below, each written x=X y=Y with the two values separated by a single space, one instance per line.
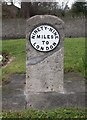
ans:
x=42 y=48
x=54 y=43
x=51 y=36
x=41 y=28
x=51 y=29
x=48 y=36
x=45 y=28
x=47 y=42
x=44 y=37
x=38 y=36
x=43 y=42
x=37 y=46
x=47 y=48
x=51 y=47
x=55 y=33
x=35 y=31
x=34 y=44
x=56 y=37
x=33 y=37
x=38 y=29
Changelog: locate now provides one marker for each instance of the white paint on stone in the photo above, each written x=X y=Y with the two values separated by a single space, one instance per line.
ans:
x=44 y=38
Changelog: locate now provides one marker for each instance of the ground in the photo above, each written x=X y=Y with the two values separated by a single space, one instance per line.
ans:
x=13 y=74
x=14 y=99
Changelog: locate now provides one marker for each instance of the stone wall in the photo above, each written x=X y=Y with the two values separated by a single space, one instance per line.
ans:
x=15 y=28
x=74 y=27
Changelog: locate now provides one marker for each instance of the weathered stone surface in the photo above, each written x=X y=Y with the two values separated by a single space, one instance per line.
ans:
x=47 y=75
x=53 y=100
x=44 y=70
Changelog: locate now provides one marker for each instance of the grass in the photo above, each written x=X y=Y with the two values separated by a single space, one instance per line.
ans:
x=16 y=49
x=0 y=46
x=49 y=115
x=74 y=60
x=74 y=55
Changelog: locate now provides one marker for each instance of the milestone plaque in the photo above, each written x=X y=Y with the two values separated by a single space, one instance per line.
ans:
x=44 y=38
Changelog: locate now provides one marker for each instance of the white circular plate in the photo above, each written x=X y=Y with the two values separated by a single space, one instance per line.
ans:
x=44 y=38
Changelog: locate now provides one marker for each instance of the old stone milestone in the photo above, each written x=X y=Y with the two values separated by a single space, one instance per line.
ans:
x=44 y=60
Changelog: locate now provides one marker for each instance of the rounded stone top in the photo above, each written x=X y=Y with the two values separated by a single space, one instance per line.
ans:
x=49 y=19
x=45 y=33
